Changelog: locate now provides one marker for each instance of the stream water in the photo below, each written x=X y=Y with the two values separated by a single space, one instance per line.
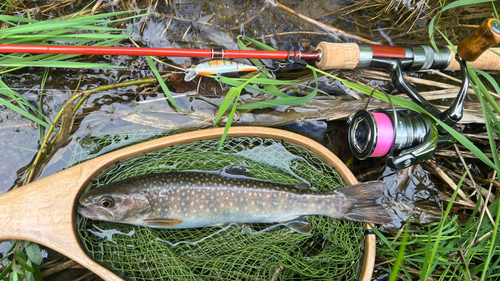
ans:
x=216 y=24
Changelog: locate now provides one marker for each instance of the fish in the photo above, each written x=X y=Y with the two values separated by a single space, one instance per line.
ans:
x=217 y=67
x=193 y=200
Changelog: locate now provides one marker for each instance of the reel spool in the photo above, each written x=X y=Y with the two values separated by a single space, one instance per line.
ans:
x=404 y=136
x=373 y=134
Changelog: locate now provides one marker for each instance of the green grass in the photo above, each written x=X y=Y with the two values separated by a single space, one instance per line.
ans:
x=447 y=250
x=29 y=31
x=92 y=30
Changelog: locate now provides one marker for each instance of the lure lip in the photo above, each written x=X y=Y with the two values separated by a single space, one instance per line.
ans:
x=190 y=74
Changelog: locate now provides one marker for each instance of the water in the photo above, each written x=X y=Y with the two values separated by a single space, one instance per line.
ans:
x=210 y=24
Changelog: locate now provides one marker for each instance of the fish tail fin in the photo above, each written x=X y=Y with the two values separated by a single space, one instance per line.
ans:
x=363 y=202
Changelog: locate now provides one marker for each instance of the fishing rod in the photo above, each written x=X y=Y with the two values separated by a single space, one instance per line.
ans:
x=327 y=55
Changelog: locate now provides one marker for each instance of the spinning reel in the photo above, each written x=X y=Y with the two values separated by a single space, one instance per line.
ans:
x=406 y=137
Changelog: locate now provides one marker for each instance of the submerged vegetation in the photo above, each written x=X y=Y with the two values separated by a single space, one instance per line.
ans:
x=454 y=248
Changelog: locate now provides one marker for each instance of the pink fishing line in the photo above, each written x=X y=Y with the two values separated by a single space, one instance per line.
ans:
x=385 y=135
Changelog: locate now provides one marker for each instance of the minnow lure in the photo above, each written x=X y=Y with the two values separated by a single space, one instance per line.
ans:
x=217 y=67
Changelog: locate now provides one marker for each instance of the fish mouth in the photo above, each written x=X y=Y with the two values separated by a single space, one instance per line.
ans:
x=93 y=214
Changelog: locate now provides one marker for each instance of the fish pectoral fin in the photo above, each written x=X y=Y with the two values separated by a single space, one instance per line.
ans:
x=162 y=222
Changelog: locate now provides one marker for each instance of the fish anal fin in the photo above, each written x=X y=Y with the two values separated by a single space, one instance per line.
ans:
x=299 y=226
x=162 y=222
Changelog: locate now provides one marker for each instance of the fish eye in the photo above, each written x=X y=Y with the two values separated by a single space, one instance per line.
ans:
x=107 y=202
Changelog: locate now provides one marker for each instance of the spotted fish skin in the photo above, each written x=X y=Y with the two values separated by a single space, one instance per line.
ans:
x=190 y=200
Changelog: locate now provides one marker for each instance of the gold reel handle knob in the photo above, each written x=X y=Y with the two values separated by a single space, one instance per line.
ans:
x=487 y=35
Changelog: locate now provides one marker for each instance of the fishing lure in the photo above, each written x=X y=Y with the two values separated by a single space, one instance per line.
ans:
x=217 y=67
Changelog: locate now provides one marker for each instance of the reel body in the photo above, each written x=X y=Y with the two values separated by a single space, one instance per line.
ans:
x=406 y=137
x=414 y=136
x=403 y=136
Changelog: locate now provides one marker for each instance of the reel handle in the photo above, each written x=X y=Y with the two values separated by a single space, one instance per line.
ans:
x=487 y=35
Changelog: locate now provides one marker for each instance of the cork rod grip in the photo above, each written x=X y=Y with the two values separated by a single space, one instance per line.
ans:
x=489 y=60
x=338 y=55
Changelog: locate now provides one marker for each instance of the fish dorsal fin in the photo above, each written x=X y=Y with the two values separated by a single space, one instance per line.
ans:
x=303 y=186
x=161 y=222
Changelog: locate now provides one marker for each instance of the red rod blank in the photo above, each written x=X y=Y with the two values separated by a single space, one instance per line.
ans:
x=393 y=52
x=160 y=52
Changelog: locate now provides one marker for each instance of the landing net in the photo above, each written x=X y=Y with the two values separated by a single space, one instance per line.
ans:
x=332 y=251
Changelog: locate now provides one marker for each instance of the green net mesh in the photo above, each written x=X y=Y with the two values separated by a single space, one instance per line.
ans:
x=332 y=251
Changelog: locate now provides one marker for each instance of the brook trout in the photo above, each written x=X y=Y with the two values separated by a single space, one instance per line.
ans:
x=189 y=200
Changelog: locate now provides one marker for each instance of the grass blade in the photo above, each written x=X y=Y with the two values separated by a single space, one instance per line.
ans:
x=258 y=44
x=235 y=83
x=256 y=62
x=162 y=84
x=430 y=263
x=23 y=113
x=285 y=101
x=229 y=120
x=432 y=24
x=40 y=104
x=492 y=246
x=226 y=102
x=23 y=108
x=231 y=96
x=395 y=271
